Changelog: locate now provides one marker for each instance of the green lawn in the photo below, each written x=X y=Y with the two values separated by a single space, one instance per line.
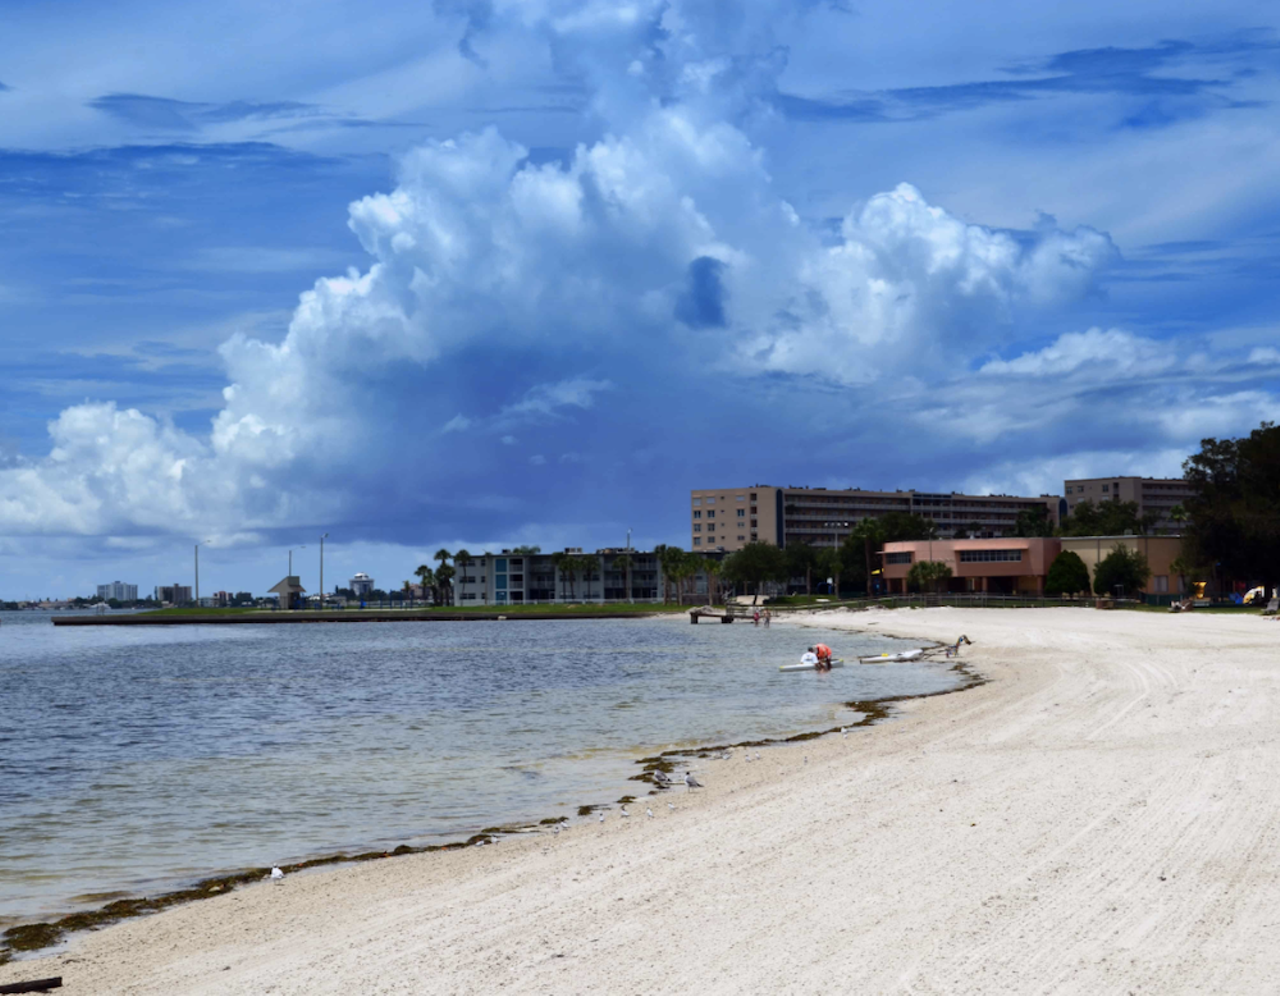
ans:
x=505 y=610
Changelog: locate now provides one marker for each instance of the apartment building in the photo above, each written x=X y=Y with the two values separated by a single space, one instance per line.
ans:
x=1017 y=565
x=174 y=594
x=1157 y=495
x=727 y=519
x=118 y=590
x=509 y=578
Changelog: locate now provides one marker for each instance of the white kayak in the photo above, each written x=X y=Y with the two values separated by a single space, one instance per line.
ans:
x=807 y=667
x=899 y=658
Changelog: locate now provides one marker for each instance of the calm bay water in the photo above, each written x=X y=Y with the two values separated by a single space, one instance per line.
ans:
x=134 y=760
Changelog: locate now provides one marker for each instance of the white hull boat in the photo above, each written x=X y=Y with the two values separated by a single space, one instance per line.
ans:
x=901 y=657
x=807 y=667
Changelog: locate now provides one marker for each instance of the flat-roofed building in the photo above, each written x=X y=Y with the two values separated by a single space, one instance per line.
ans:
x=174 y=594
x=1010 y=565
x=118 y=590
x=612 y=574
x=729 y=518
x=1160 y=551
x=1154 y=495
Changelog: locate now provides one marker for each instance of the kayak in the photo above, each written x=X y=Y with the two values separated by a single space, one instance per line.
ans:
x=898 y=658
x=807 y=667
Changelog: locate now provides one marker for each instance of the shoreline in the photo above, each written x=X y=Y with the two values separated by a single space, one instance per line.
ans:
x=1097 y=817
x=24 y=941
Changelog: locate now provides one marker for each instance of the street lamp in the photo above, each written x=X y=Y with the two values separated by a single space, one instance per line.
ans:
x=322 y=539
x=835 y=545
x=197 y=551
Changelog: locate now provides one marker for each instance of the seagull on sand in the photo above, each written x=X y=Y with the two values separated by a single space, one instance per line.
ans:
x=671 y=806
x=602 y=817
x=622 y=811
x=648 y=812
x=277 y=875
x=661 y=778
x=690 y=781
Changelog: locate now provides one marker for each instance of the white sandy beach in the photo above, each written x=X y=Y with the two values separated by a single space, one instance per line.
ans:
x=1101 y=817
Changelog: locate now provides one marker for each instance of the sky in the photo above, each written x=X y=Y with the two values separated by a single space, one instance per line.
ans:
x=480 y=273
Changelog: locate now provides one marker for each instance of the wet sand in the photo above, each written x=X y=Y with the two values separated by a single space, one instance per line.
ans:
x=1099 y=817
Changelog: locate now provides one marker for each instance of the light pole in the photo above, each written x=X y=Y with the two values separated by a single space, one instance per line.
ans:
x=322 y=539
x=835 y=545
x=197 y=551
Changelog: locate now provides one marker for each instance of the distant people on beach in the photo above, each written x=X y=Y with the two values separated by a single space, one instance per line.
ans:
x=767 y=617
x=755 y=617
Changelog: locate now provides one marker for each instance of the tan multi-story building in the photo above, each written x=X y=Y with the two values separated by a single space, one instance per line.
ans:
x=730 y=518
x=1156 y=495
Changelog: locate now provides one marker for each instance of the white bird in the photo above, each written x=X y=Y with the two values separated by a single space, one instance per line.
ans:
x=690 y=781
x=557 y=828
x=648 y=812
x=843 y=732
x=671 y=806
x=277 y=875
x=748 y=759
x=661 y=778
x=602 y=817
x=622 y=811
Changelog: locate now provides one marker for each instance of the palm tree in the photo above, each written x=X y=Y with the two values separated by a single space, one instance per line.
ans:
x=669 y=559
x=712 y=569
x=427 y=577
x=460 y=560
x=565 y=564
x=1179 y=515
x=442 y=579
x=622 y=562
x=587 y=565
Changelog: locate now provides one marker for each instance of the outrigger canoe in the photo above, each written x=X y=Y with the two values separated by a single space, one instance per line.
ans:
x=902 y=657
x=807 y=667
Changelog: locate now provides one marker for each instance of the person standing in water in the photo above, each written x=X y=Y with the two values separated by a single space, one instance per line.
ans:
x=823 y=653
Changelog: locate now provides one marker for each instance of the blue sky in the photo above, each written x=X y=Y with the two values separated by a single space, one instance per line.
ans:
x=485 y=273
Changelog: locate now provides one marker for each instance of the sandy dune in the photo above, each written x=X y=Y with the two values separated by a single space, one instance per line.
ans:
x=1101 y=817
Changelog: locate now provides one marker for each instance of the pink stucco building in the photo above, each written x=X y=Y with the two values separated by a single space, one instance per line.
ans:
x=1010 y=565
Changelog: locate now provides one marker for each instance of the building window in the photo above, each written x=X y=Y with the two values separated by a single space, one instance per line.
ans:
x=1069 y=491
x=742 y=513
x=741 y=539
x=754 y=523
x=711 y=515
x=697 y=541
x=754 y=537
x=711 y=501
x=1161 y=583
x=741 y=498
x=753 y=496
x=697 y=515
x=989 y=556
x=753 y=510
x=898 y=558
x=711 y=528
x=697 y=527
x=697 y=502
x=1106 y=488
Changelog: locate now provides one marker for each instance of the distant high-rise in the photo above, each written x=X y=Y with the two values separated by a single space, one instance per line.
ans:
x=361 y=585
x=1155 y=496
x=174 y=594
x=118 y=590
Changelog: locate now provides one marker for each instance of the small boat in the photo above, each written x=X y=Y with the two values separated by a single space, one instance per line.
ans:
x=807 y=667
x=902 y=657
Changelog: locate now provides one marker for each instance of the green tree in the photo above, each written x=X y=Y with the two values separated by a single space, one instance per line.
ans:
x=1234 y=511
x=444 y=575
x=1179 y=515
x=622 y=562
x=1067 y=575
x=460 y=560
x=566 y=565
x=1033 y=522
x=801 y=560
x=831 y=564
x=427 y=578
x=668 y=559
x=711 y=567
x=1122 y=568
x=755 y=564
x=928 y=574
x=1108 y=518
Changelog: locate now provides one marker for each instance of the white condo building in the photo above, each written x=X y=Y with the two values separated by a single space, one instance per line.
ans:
x=361 y=585
x=118 y=590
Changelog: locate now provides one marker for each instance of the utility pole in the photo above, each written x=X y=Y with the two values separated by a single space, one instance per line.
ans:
x=197 y=575
x=322 y=539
